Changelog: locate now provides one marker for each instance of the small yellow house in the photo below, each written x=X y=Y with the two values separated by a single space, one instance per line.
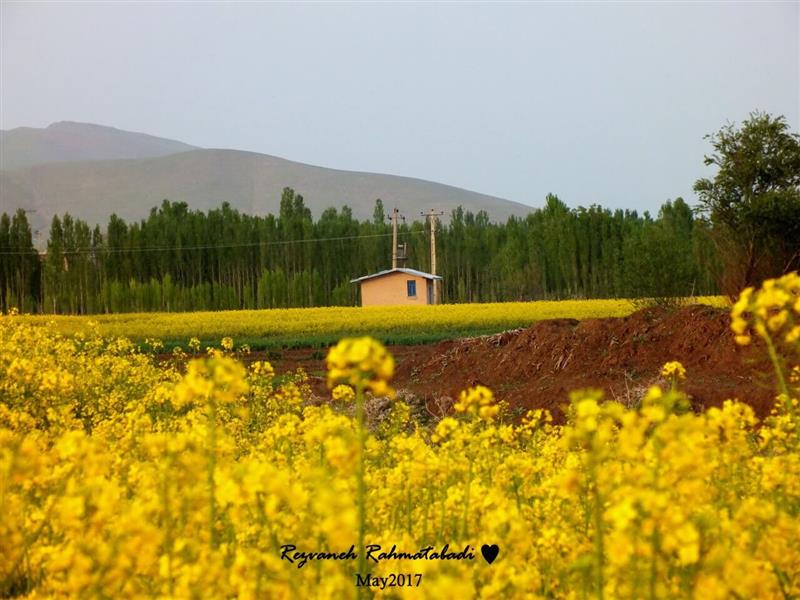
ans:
x=396 y=287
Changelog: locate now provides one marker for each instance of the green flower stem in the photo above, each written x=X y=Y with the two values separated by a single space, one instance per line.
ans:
x=361 y=489
x=465 y=521
x=212 y=463
x=773 y=356
x=599 y=546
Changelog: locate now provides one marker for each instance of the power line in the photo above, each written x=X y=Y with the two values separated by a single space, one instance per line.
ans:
x=102 y=250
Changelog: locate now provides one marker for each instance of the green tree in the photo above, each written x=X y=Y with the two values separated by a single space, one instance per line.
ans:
x=753 y=201
x=24 y=265
x=378 y=214
x=6 y=261
x=54 y=285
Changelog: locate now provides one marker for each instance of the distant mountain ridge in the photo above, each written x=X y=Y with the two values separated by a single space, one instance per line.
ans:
x=71 y=141
x=139 y=171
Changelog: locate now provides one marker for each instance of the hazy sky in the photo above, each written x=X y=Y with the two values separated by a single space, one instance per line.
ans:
x=599 y=103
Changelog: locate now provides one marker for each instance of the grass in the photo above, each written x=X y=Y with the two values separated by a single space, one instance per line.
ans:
x=319 y=327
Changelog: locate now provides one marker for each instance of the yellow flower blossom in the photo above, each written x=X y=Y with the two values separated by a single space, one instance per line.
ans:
x=361 y=361
x=125 y=476
x=343 y=393
x=673 y=370
x=477 y=400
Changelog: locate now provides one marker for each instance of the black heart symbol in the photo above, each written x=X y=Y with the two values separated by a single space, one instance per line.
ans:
x=490 y=552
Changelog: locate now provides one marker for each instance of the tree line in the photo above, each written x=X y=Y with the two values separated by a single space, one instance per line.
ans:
x=746 y=228
x=179 y=259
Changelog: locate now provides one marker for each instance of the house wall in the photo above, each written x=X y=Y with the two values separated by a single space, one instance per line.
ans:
x=391 y=290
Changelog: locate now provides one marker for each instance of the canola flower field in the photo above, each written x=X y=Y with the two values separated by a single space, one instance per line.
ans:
x=120 y=477
x=325 y=325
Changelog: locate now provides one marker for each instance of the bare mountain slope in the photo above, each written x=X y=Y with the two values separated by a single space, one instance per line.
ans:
x=69 y=141
x=251 y=182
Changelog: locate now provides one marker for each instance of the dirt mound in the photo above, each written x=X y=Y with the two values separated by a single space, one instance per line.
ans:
x=537 y=367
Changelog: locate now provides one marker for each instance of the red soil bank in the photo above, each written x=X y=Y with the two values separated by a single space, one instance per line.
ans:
x=537 y=367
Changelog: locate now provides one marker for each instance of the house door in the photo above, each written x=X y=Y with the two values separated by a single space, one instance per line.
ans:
x=430 y=292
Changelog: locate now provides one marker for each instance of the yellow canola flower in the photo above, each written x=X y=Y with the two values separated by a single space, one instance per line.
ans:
x=361 y=361
x=125 y=476
x=771 y=311
x=337 y=322
x=673 y=369
x=262 y=368
x=444 y=429
x=477 y=400
x=217 y=378
x=343 y=393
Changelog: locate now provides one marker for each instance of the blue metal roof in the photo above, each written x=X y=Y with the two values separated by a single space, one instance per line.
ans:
x=388 y=271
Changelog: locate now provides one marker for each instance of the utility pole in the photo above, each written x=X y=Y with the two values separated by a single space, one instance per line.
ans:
x=394 y=237
x=431 y=214
x=395 y=215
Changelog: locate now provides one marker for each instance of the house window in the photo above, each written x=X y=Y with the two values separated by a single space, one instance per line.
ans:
x=412 y=288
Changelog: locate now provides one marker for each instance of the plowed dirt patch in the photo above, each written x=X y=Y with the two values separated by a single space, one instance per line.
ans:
x=537 y=367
